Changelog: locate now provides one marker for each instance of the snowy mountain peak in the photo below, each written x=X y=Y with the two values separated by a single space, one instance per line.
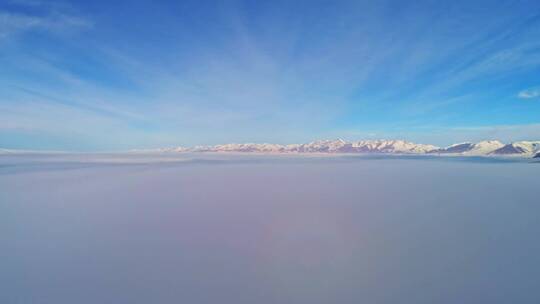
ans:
x=467 y=148
x=460 y=144
x=456 y=148
x=485 y=147
x=528 y=148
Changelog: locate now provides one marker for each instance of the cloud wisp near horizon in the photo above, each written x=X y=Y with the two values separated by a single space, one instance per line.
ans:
x=80 y=75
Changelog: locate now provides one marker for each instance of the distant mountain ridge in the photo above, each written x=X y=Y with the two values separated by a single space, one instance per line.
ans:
x=521 y=147
x=488 y=147
x=483 y=148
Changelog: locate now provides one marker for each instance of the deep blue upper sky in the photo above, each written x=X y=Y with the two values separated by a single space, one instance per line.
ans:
x=108 y=75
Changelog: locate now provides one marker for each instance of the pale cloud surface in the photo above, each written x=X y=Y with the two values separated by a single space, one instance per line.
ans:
x=102 y=75
x=243 y=229
x=530 y=93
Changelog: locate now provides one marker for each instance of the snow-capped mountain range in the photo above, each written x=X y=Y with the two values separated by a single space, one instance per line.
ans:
x=483 y=148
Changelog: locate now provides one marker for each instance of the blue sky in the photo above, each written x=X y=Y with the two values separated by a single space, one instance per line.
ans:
x=114 y=75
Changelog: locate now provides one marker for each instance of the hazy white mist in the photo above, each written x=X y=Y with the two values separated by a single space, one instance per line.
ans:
x=80 y=228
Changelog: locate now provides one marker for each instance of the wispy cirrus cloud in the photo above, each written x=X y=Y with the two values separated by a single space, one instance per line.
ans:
x=530 y=93
x=46 y=18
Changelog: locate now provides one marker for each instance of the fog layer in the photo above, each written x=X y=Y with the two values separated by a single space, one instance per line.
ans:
x=259 y=229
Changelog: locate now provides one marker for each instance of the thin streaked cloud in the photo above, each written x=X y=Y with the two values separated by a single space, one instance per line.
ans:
x=530 y=93
x=47 y=17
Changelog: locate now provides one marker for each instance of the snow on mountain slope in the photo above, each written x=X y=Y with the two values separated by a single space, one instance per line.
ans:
x=484 y=147
x=391 y=146
x=455 y=148
x=467 y=148
x=247 y=148
x=329 y=146
x=519 y=148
